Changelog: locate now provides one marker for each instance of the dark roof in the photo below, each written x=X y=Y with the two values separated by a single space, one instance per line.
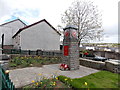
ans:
x=13 y=21
x=35 y=24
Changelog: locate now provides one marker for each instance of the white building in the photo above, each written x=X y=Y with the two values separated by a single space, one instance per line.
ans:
x=90 y=48
x=9 y=29
x=40 y=35
x=107 y=49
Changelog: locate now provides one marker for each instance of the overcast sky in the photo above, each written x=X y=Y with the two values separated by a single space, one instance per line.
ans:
x=31 y=11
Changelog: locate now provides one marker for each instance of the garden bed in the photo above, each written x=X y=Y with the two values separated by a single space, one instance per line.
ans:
x=47 y=83
x=32 y=61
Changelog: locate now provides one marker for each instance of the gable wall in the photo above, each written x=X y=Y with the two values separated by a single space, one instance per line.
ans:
x=16 y=42
x=9 y=30
x=40 y=36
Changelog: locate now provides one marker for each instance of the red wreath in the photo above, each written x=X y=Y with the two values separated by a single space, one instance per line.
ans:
x=66 y=34
x=85 y=53
x=74 y=34
x=64 y=67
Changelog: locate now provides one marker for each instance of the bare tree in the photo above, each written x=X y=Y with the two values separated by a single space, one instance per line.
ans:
x=86 y=17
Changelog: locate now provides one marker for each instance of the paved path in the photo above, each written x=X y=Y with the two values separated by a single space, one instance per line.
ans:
x=22 y=77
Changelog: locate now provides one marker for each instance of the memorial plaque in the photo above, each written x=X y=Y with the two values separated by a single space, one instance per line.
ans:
x=66 y=50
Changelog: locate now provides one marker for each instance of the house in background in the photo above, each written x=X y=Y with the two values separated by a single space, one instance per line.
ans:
x=9 y=29
x=40 y=35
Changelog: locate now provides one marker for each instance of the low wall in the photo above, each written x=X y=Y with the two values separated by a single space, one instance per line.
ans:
x=107 y=54
x=92 y=64
x=110 y=65
x=113 y=66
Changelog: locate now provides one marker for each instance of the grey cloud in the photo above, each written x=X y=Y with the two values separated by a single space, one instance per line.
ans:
x=4 y=8
x=111 y=30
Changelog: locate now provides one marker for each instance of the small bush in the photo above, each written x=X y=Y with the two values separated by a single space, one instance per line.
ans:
x=13 y=65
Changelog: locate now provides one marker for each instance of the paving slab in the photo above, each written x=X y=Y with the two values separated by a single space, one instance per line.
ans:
x=24 y=76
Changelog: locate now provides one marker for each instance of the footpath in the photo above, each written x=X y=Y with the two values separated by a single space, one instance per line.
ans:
x=24 y=76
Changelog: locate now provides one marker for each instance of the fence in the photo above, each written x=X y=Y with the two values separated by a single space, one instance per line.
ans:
x=31 y=52
x=5 y=82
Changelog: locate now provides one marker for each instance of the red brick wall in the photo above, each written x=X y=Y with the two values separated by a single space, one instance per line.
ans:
x=8 y=47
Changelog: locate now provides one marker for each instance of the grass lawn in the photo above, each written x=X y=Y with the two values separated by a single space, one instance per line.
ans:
x=102 y=79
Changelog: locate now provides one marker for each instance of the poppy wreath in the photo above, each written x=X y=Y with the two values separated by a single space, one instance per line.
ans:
x=64 y=67
x=86 y=53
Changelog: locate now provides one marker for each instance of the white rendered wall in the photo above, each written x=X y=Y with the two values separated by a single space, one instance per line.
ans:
x=9 y=30
x=16 y=42
x=40 y=36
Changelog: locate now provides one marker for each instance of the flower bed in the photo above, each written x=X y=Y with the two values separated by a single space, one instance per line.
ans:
x=28 y=61
x=44 y=83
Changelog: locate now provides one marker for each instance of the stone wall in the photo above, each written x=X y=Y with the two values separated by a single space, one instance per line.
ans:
x=107 y=54
x=92 y=64
x=74 y=56
x=111 y=65
x=110 y=55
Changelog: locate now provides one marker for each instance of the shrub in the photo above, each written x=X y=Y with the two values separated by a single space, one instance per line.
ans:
x=13 y=65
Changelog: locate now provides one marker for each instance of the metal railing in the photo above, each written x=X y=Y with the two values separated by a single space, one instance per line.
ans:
x=5 y=82
x=31 y=52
